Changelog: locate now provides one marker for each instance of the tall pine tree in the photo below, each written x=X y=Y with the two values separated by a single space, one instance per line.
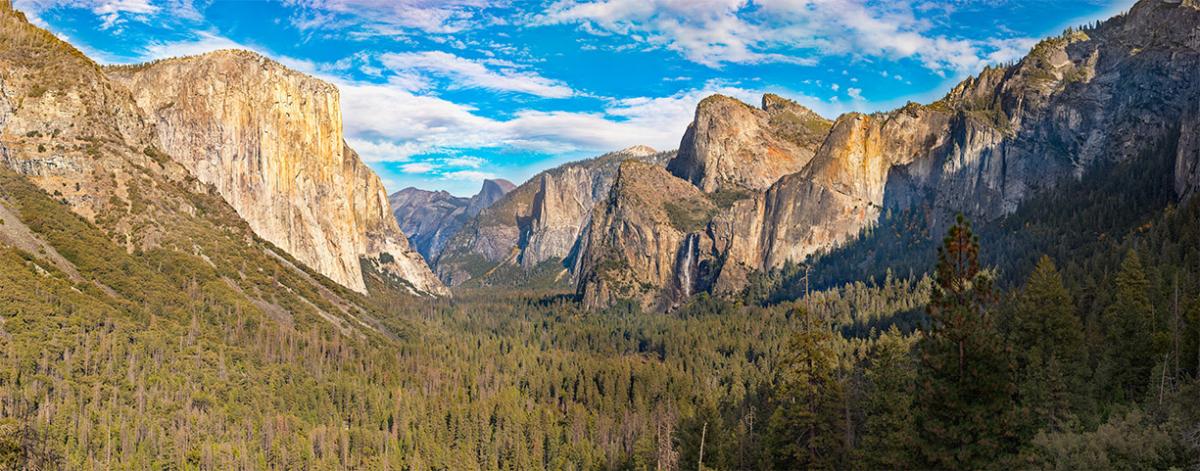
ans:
x=1047 y=341
x=1128 y=325
x=887 y=439
x=966 y=390
x=807 y=429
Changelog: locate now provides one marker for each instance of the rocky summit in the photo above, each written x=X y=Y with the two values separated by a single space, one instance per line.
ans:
x=536 y=228
x=1113 y=92
x=270 y=141
x=431 y=218
x=106 y=221
x=733 y=146
x=643 y=243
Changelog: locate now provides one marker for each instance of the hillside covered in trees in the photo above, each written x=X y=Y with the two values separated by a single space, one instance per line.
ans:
x=145 y=325
x=1090 y=369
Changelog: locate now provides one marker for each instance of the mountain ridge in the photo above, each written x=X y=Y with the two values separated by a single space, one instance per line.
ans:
x=431 y=218
x=536 y=227
x=990 y=142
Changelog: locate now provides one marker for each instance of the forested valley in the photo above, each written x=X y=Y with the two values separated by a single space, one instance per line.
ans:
x=273 y=316
x=1064 y=369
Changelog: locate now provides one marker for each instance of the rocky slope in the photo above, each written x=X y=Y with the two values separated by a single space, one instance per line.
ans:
x=1114 y=92
x=270 y=140
x=431 y=218
x=536 y=227
x=102 y=217
x=733 y=146
x=643 y=243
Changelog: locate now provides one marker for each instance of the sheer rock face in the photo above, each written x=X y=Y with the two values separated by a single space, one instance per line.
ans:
x=1120 y=91
x=643 y=244
x=733 y=146
x=270 y=140
x=538 y=223
x=1187 y=163
x=489 y=194
x=431 y=218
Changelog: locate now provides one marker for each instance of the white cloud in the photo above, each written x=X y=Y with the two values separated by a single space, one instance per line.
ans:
x=204 y=41
x=416 y=124
x=389 y=17
x=465 y=161
x=715 y=32
x=468 y=176
x=855 y=93
x=115 y=13
x=385 y=151
x=466 y=73
x=418 y=167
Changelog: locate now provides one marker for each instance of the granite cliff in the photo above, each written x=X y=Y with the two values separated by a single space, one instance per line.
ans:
x=98 y=214
x=270 y=141
x=536 y=227
x=431 y=218
x=733 y=146
x=643 y=243
x=1108 y=93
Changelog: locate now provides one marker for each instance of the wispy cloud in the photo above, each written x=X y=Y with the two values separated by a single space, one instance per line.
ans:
x=388 y=17
x=716 y=32
x=202 y=42
x=467 y=73
x=465 y=161
x=114 y=14
x=114 y=11
x=428 y=124
x=418 y=167
x=472 y=176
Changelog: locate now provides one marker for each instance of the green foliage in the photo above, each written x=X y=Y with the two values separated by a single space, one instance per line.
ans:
x=889 y=436
x=1052 y=357
x=1128 y=326
x=806 y=430
x=1130 y=440
x=725 y=198
x=966 y=392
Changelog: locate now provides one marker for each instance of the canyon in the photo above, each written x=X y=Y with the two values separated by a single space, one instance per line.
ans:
x=777 y=183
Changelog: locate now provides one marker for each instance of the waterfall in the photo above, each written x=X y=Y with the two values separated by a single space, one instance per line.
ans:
x=687 y=264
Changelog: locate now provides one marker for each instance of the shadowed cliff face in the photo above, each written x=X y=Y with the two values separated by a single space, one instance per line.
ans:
x=270 y=141
x=1109 y=93
x=536 y=226
x=431 y=218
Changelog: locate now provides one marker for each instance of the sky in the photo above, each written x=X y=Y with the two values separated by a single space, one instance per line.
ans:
x=441 y=94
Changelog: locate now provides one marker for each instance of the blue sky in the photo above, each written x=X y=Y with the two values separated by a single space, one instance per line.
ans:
x=440 y=94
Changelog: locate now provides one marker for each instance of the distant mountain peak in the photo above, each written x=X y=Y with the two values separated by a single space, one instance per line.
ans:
x=503 y=185
x=431 y=218
x=638 y=151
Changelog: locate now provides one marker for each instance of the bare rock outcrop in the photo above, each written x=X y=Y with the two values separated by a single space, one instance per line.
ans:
x=87 y=189
x=432 y=218
x=270 y=140
x=1121 y=90
x=646 y=243
x=538 y=225
x=733 y=146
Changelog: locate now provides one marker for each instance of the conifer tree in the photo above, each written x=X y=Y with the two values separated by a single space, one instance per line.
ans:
x=966 y=390
x=1047 y=340
x=1128 y=324
x=888 y=406
x=806 y=430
